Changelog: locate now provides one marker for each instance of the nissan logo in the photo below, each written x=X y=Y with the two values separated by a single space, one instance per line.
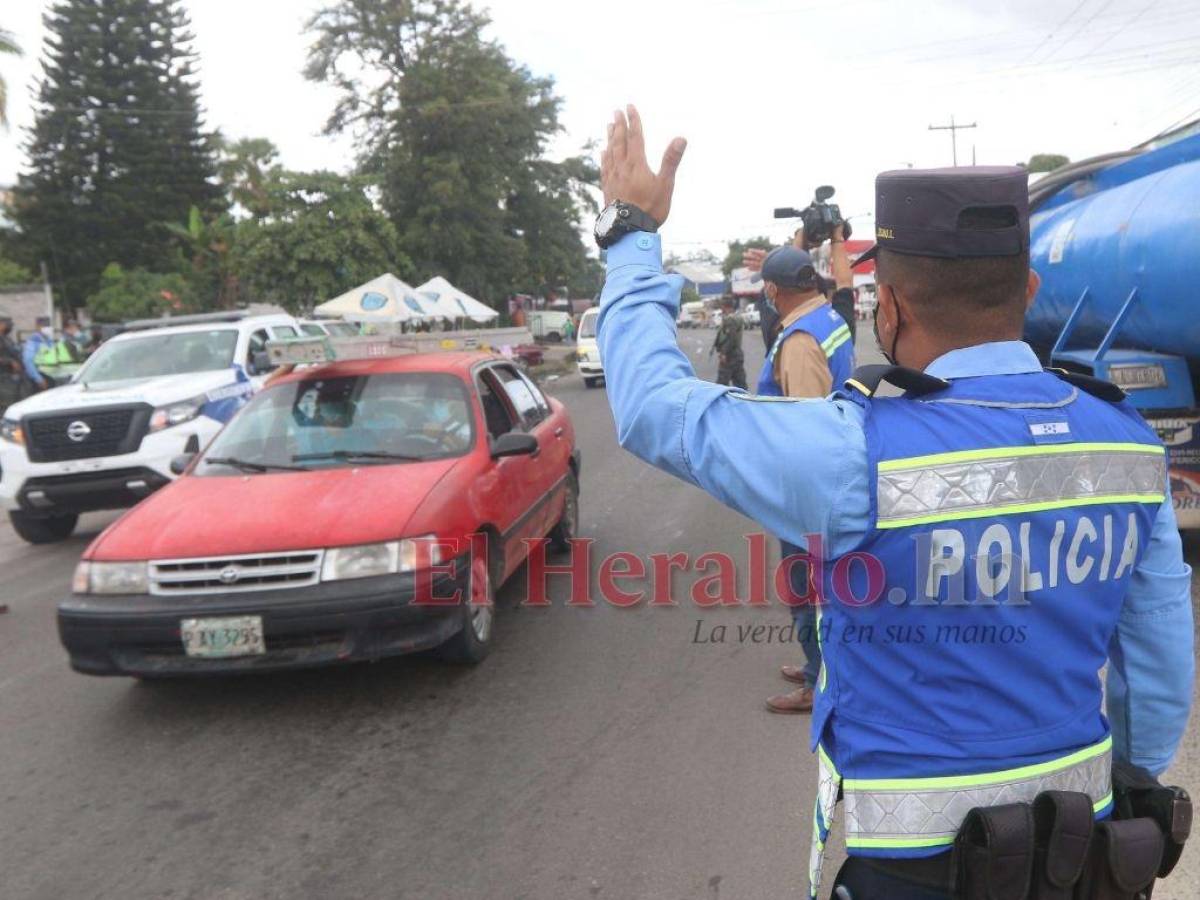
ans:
x=78 y=430
x=229 y=575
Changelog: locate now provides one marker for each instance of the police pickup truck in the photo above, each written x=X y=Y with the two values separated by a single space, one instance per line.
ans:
x=106 y=440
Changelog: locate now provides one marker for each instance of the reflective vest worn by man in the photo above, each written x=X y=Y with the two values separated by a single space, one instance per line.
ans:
x=987 y=540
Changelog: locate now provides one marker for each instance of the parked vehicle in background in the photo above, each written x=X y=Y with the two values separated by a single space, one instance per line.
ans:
x=547 y=324
x=330 y=327
x=106 y=439
x=691 y=315
x=401 y=459
x=750 y=316
x=588 y=351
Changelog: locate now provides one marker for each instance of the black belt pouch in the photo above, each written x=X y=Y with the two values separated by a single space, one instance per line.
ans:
x=1123 y=862
x=1063 y=823
x=993 y=853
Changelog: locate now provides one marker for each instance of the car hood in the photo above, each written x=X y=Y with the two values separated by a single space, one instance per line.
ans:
x=199 y=516
x=154 y=391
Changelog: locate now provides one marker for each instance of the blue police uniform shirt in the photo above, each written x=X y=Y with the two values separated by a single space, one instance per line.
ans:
x=729 y=444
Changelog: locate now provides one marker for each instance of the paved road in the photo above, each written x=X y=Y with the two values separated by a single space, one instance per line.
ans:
x=598 y=753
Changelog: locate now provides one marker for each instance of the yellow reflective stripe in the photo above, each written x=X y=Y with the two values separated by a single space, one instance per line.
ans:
x=1019 y=508
x=899 y=843
x=1102 y=802
x=835 y=340
x=828 y=762
x=934 y=459
x=859 y=386
x=959 y=781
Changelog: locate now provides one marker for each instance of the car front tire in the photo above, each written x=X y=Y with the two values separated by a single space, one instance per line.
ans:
x=471 y=644
x=567 y=526
x=43 y=529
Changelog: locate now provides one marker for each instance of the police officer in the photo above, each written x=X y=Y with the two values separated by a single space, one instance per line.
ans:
x=731 y=361
x=989 y=539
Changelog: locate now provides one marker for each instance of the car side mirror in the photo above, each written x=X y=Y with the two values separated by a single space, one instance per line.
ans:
x=513 y=443
x=180 y=463
x=260 y=363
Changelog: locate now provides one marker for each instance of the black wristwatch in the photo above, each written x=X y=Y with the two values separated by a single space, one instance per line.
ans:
x=618 y=219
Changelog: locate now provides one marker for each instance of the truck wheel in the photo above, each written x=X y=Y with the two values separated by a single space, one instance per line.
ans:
x=473 y=641
x=590 y=382
x=554 y=337
x=42 y=529
x=567 y=525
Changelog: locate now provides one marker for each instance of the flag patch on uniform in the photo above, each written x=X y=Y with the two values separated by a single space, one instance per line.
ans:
x=1049 y=430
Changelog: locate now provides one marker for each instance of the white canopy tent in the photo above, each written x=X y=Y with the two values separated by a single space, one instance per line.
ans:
x=382 y=299
x=450 y=302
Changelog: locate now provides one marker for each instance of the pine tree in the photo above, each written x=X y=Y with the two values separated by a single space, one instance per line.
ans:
x=117 y=148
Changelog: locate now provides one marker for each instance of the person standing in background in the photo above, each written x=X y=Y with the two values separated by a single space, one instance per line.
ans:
x=731 y=360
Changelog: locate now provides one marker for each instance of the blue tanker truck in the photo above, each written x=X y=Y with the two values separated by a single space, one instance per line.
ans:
x=1116 y=240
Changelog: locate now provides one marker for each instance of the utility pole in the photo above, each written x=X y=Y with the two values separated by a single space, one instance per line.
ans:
x=953 y=129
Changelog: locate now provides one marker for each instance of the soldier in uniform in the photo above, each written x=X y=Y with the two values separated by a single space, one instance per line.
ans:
x=731 y=361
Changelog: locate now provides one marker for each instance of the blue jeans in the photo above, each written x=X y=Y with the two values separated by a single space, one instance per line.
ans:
x=804 y=617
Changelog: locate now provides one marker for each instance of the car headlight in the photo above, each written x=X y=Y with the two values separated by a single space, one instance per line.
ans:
x=367 y=560
x=10 y=430
x=110 y=578
x=177 y=413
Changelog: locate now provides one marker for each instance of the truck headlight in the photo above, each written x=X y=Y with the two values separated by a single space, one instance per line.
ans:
x=110 y=578
x=176 y=413
x=10 y=430
x=367 y=560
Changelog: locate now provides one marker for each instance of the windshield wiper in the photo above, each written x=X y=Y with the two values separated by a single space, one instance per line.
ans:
x=357 y=454
x=248 y=466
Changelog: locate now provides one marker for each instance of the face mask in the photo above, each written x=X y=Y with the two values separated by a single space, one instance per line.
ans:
x=889 y=356
x=47 y=331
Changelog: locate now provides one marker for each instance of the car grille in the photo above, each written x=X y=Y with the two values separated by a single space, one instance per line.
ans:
x=84 y=434
x=235 y=574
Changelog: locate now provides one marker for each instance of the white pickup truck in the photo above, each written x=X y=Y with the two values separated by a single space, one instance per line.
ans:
x=148 y=395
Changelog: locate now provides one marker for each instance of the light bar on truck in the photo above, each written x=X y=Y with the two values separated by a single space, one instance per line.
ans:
x=312 y=349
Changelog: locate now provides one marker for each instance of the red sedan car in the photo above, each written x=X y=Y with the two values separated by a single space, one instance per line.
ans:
x=332 y=520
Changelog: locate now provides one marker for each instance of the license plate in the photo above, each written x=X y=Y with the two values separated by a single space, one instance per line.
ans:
x=222 y=638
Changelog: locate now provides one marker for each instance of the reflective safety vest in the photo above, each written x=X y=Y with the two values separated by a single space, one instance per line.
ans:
x=830 y=331
x=56 y=354
x=962 y=637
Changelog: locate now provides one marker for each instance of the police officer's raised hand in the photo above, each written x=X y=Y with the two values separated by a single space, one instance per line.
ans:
x=752 y=258
x=625 y=174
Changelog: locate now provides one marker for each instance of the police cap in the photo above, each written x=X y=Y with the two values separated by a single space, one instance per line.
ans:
x=952 y=213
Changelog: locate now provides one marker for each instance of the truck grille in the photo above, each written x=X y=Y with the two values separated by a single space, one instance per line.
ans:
x=83 y=434
x=235 y=574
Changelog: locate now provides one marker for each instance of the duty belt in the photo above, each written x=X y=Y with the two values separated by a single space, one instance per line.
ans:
x=925 y=813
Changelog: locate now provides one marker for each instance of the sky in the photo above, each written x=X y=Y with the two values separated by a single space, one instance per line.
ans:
x=774 y=97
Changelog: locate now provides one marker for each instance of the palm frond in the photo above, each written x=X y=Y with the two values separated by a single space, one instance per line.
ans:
x=8 y=43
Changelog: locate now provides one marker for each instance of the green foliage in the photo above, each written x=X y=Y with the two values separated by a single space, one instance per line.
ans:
x=1046 y=162
x=322 y=238
x=455 y=133
x=207 y=246
x=733 y=259
x=117 y=146
x=137 y=294
x=688 y=295
x=8 y=47
x=12 y=273
x=243 y=168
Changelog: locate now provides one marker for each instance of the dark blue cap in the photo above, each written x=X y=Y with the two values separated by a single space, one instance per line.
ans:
x=954 y=213
x=790 y=267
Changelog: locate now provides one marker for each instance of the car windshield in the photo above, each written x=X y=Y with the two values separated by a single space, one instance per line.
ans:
x=152 y=355
x=342 y=329
x=587 y=326
x=346 y=421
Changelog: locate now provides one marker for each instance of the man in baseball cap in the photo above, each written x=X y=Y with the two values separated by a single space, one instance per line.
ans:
x=989 y=540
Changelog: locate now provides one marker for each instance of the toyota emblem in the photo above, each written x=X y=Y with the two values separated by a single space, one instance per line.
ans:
x=229 y=575
x=78 y=430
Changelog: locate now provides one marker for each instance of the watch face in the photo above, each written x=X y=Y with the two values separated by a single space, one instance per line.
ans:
x=606 y=220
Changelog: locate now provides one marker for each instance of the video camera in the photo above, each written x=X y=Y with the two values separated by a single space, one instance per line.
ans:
x=819 y=218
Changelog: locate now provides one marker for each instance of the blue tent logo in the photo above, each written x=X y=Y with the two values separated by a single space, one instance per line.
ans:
x=461 y=305
x=372 y=301
x=412 y=304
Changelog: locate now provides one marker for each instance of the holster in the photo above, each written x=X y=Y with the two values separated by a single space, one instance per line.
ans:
x=1123 y=861
x=1138 y=794
x=1063 y=822
x=993 y=853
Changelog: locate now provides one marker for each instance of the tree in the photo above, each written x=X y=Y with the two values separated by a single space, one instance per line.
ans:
x=12 y=273
x=117 y=145
x=455 y=133
x=1046 y=162
x=207 y=246
x=243 y=167
x=733 y=259
x=138 y=294
x=8 y=47
x=322 y=238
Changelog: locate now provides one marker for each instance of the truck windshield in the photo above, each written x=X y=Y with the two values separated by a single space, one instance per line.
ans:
x=176 y=353
x=587 y=325
x=378 y=419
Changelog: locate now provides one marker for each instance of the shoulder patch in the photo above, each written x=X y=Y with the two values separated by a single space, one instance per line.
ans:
x=866 y=380
x=1097 y=387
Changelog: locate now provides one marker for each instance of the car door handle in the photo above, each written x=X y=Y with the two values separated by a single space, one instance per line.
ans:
x=558 y=432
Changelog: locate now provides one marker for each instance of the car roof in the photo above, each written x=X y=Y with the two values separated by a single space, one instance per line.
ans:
x=247 y=324
x=456 y=362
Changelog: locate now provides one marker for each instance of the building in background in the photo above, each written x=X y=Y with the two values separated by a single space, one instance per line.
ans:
x=705 y=278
